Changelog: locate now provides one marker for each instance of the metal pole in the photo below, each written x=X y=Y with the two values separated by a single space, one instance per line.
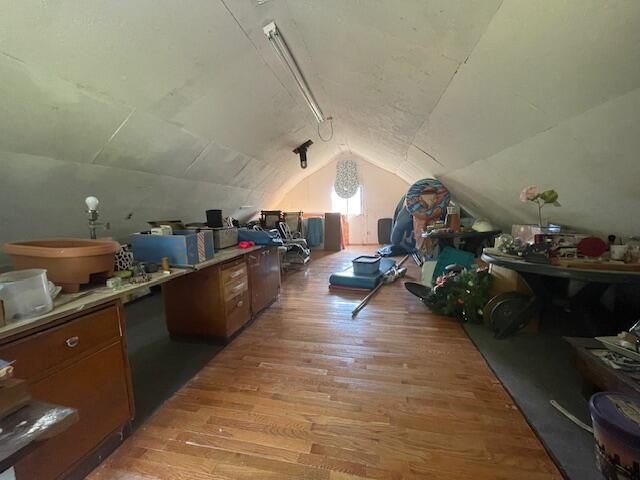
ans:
x=371 y=294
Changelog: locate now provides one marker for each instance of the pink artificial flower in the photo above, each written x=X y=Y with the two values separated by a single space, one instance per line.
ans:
x=528 y=193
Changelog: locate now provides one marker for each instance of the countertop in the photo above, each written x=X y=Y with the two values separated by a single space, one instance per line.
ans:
x=225 y=255
x=68 y=304
x=461 y=235
x=495 y=257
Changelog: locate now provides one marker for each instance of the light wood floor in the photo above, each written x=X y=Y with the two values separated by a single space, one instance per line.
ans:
x=307 y=392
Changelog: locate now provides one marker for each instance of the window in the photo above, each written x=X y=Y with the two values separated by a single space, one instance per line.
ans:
x=347 y=206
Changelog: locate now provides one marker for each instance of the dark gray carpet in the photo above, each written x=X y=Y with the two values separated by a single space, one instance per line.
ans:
x=159 y=365
x=536 y=368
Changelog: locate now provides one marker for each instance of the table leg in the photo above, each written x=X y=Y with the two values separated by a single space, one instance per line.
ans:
x=591 y=317
x=587 y=307
x=539 y=288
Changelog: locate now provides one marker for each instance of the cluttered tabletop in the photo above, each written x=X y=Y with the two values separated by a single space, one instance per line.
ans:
x=593 y=270
x=65 y=304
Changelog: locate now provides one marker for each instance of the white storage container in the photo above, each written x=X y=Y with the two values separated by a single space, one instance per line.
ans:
x=25 y=294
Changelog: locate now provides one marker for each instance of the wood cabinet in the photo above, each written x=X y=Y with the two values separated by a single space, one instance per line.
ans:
x=264 y=277
x=79 y=363
x=219 y=300
x=213 y=302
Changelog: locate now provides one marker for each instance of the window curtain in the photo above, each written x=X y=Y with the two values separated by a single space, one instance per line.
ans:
x=347 y=178
x=344 y=220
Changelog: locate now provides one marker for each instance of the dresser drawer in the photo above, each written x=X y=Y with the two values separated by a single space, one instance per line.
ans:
x=232 y=305
x=97 y=387
x=237 y=312
x=233 y=273
x=232 y=290
x=36 y=354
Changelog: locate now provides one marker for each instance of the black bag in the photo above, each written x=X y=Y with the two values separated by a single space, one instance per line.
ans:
x=384 y=231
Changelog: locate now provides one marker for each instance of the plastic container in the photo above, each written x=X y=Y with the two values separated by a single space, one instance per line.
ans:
x=25 y=294
x=452 y=220
x=616 y=429
x=225 y=237
x=183 y=248
x=69 y=262
x=366 y=265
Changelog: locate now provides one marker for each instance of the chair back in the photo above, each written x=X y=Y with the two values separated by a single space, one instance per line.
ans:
x=285 y=230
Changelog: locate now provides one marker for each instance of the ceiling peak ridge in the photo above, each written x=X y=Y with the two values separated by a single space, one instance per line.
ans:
x=257 y=50
x=426 y=153
x=460 y=64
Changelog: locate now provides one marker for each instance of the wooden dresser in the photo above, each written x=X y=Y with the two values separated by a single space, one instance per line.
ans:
x=217 y=301
x=78 y=362
x=264 y=277
x=76 y=356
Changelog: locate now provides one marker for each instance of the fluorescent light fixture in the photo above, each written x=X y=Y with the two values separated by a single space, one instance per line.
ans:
x=280 y=46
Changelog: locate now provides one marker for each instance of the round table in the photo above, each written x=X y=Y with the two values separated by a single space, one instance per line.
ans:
x=585 y=303
x=582 y=274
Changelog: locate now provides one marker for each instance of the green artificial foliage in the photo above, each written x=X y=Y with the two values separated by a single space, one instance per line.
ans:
x=462 y=295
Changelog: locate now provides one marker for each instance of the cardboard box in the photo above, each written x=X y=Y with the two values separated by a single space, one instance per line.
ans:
x=13 y=396
x=183 y=248
x=527 y=233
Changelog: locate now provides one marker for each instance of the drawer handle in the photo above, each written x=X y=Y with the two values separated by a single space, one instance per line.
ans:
x=72 y=342
x=236 y=273
x=240 y=286
x=239 y=304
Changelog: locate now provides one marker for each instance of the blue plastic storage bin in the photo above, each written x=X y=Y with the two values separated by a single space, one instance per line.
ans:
x=183 y=248
x=348 y=278
x=260 y=237
x=366 y=265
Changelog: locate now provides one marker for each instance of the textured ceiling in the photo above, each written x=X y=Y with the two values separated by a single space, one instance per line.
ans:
x=188 y=96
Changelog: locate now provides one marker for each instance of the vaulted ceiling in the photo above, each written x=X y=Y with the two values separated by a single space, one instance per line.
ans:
x=160 y=100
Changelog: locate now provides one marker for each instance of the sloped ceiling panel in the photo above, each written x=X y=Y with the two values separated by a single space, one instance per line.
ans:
x=174 y=107
x=378 y=67
x=158 y=108
x=533 y=68
x=386 y=90
x=44 y=115
x=547 y=97
x=591 y=159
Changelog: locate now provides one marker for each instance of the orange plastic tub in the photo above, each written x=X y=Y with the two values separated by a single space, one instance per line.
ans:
x=69 y=262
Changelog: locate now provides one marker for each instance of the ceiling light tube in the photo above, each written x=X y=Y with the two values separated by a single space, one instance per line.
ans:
x=280 y=46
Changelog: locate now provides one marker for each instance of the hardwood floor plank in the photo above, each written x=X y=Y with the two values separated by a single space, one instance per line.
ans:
x=306 y=392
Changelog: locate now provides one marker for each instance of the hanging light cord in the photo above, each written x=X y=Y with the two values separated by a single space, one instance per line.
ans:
x=331 y=135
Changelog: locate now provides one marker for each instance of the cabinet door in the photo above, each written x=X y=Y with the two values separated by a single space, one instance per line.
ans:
x=60 y=346
x=238 y=312
x=272 y=275
x=256 y=267
x=97 y=387
x=194 y=305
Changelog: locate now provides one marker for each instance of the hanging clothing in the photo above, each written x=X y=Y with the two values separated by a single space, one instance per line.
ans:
x=314 y=232
x=426 y=201
x=344 y=220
